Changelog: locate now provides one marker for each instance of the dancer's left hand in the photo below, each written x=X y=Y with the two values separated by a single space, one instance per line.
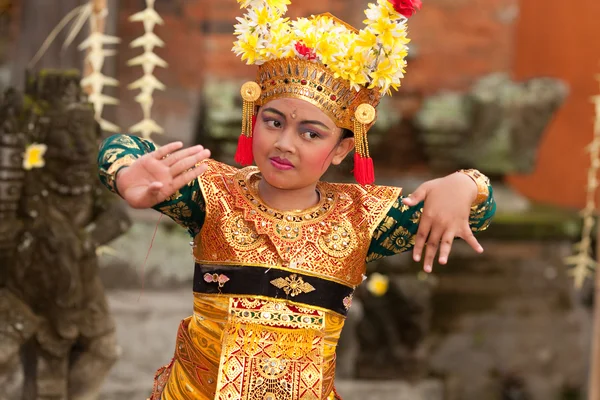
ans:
x=445 y=217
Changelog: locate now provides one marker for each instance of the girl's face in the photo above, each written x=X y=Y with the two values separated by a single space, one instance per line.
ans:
x=294 y=143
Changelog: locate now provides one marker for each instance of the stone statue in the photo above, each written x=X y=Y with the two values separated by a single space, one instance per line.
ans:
x=496 y=127
x=53 y=311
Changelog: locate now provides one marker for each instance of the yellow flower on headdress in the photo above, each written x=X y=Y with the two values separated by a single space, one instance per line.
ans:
x=382 y=26
x=327 y=49
x=366 y=38
x=280 y=5
x=352 y=68
x=305 y=31
x=279 y=43
x=384 y=76
x=247 y=46
x=261 y=16
x=378 y=284
x=34 y=156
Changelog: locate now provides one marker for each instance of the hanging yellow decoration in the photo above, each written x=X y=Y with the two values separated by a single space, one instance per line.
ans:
x=34 y=156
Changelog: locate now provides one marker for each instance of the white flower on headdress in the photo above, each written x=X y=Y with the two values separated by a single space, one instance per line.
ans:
x=261 y=17
x=383 y=10
x=243 y=27
x=279 y=5
x=325 y=24
x=301 y=27
x=250 y=3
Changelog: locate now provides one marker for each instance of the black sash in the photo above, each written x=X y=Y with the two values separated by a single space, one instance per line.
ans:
x=275 y=283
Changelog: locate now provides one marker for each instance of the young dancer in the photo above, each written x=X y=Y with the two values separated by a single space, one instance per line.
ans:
x=278 y=253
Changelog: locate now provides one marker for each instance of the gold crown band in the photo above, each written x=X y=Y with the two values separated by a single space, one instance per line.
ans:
x=316 y=84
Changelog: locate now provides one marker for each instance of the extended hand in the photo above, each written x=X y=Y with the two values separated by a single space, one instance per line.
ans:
x=158 y=175
x=445 y=216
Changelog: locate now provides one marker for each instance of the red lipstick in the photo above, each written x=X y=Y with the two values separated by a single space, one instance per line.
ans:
x=281 y=163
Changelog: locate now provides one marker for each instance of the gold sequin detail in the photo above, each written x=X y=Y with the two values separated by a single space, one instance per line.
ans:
x=339 y=241
x=240 y=234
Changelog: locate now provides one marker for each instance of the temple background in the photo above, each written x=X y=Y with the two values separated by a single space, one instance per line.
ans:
x=454 y=44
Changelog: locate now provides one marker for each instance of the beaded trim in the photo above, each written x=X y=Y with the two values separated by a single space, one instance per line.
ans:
x=308 y=216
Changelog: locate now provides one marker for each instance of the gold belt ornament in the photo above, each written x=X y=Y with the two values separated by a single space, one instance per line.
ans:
x=293 y=285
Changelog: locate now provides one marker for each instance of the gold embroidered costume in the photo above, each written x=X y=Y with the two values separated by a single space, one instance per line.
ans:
x=272 y=288
x=273 y=345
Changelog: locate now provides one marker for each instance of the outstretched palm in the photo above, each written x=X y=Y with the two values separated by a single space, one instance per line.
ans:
x=158 y=175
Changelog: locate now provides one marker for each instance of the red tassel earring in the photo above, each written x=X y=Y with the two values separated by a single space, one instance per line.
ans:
x=364 y=171
x=250 y=93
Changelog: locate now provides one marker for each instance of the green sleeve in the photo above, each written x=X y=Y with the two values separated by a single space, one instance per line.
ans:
x=186 y=206
x=396 y=232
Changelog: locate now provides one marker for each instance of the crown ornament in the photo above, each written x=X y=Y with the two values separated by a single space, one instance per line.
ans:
x=326 y=62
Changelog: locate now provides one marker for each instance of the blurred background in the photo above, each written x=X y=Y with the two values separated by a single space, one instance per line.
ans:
x=504 y=86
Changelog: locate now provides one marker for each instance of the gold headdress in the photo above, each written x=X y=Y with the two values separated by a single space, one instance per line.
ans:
x=323 y=60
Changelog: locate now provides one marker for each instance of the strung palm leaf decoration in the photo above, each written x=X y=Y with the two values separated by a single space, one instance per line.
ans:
x=148 y=83
x=94 y=13
x=94 y=80
x=582 y=261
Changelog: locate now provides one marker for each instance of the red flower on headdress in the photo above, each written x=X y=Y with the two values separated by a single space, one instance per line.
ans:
x=305 y=51
x=406 y=7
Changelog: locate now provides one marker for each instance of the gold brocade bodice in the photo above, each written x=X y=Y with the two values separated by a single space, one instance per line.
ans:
x=329 y=240
x=262 y=346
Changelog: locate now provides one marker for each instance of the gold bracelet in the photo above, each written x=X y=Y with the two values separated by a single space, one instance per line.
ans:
x=482 y=183
x=111 y=173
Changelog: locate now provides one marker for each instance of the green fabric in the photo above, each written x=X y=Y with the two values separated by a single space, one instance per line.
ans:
x=186 y=206
x=398 y=230
x=395 y=234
